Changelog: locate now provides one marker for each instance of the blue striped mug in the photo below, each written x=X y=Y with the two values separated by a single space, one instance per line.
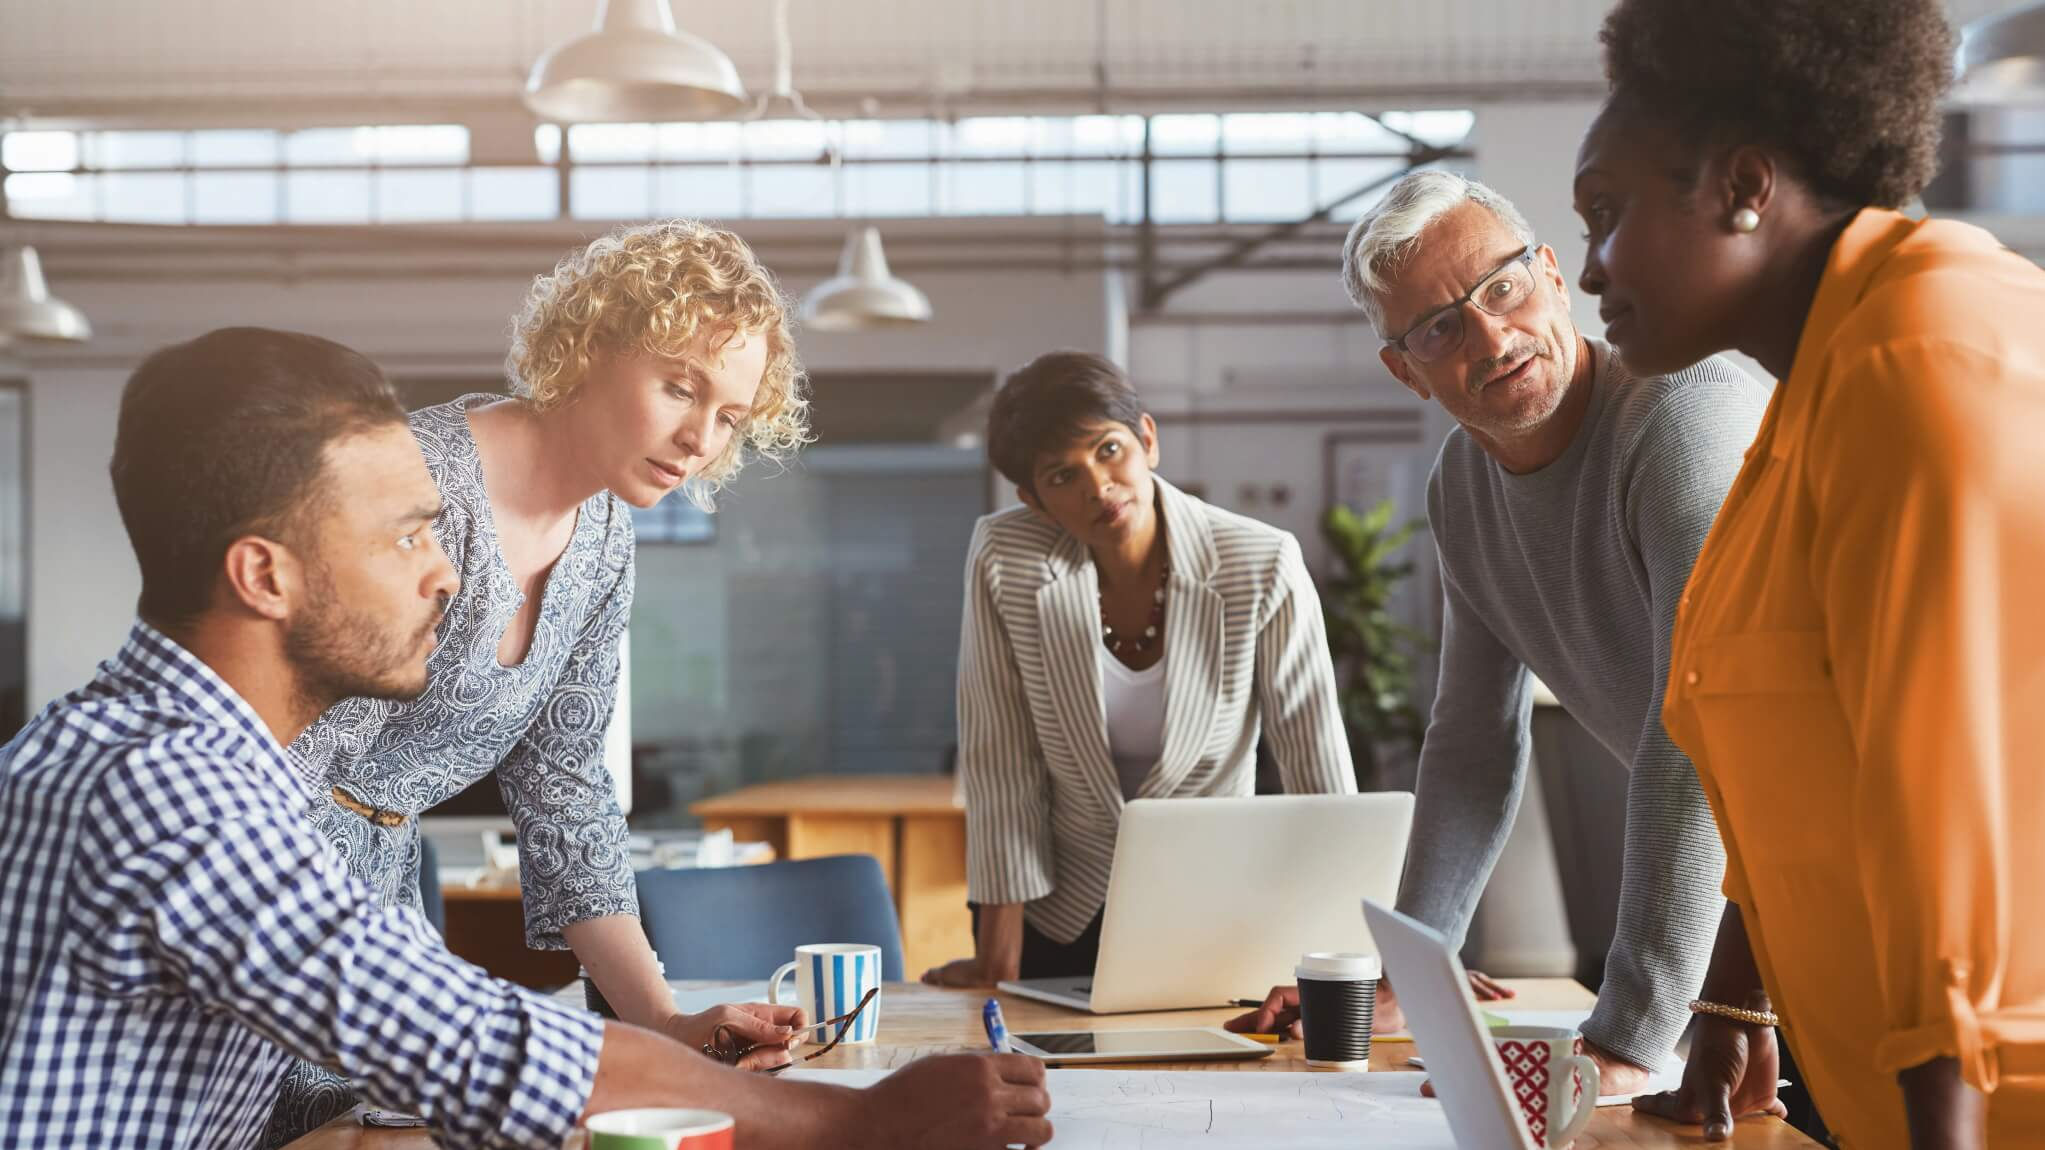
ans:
x=830 y=979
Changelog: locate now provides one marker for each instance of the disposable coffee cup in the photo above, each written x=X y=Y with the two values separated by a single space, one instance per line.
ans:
x=1338 y=995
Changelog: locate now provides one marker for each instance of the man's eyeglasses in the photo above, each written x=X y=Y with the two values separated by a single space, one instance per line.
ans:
x=727 y=1047
x=1440 y=332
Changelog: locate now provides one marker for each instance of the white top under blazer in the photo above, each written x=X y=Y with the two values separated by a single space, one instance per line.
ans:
x=1245 y=648
x=1134 y=702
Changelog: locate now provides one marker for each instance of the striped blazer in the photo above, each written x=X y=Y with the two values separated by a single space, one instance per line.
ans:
x=1244 y=647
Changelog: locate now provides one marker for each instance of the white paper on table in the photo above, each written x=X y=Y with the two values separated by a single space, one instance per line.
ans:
x=1668 y=1077
x=698 y=1001
x=1566 y=1019
x=1158 y=1110
x=688 y=1001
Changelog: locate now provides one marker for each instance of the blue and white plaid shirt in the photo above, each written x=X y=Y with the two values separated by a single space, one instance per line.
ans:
x=173 y=930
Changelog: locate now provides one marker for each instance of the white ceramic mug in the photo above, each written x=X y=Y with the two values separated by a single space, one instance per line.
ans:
x=830 y=979
x=660 y=1130
x=1555 y=1084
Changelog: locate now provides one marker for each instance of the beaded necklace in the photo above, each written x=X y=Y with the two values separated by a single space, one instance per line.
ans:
x=1139 y=644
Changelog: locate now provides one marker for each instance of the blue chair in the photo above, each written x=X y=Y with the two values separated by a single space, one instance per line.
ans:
x=741 y=922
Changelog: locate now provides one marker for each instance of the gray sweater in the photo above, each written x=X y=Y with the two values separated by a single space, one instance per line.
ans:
x=1574 y=571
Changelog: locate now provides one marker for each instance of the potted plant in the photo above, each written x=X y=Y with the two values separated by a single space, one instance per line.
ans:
x=1372 y=650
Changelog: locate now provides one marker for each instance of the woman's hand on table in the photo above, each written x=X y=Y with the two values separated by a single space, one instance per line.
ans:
x=1388 y=1018
x=959 y=973
x=1279 y=1013
x=750 y=1023
x=1731 y=1073
x=1615 y=1074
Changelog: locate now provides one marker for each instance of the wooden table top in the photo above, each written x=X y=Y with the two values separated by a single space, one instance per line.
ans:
x=840 y=794
x=919 y=1020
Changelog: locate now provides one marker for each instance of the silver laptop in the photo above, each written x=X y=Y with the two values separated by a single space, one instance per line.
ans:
x=1447 y=1024
x=1212 y=900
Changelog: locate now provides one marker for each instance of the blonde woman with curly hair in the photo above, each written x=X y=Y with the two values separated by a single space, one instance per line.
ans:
x=658 y=358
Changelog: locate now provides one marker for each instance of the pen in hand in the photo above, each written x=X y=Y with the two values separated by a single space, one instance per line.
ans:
x=997 y=1027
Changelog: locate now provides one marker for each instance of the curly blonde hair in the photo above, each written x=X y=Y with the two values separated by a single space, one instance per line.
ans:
x=660 y=288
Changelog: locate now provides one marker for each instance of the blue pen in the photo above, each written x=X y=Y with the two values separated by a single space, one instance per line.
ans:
x=997 y=1027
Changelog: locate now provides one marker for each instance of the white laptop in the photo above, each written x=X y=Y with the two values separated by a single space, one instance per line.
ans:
x=1212 y=900
x=1447 y=1024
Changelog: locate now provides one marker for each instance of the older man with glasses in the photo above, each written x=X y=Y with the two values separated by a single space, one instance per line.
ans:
x=1567 y=508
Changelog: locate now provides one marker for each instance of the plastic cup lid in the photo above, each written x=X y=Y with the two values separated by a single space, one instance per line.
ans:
x=1338 y=966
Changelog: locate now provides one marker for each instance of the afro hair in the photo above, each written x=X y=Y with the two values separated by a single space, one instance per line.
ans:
x=1848 y=90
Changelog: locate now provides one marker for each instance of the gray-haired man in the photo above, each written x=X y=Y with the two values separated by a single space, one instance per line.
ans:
x=1568 y=508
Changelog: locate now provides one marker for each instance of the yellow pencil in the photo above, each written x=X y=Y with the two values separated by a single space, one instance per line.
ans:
x=1266 y=1039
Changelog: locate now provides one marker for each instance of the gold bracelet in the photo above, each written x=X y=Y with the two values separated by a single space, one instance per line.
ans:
x=1736 y=1013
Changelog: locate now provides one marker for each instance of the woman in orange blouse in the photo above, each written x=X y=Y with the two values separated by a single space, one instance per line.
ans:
x=1858 y=669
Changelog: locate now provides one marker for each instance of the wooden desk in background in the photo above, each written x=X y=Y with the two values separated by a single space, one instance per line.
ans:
x=486 y=925
x=919 y=1020
x=914 y=824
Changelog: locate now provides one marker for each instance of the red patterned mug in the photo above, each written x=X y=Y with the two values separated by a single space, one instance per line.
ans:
x=1555 y=1084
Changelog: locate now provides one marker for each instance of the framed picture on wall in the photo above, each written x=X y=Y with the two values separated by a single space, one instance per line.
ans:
x=1366 y=466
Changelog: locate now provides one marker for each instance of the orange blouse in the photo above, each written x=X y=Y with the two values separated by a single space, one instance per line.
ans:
x=1858 y=672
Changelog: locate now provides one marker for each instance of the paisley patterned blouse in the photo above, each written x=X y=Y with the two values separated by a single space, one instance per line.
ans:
x=540 y=725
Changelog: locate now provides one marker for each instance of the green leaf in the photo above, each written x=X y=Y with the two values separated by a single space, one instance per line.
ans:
x=1371 y=648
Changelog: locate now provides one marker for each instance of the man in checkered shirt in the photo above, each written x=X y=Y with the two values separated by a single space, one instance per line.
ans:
x=172 y=928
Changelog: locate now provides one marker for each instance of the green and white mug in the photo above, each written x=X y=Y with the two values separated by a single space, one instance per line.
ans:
x=660 y=1130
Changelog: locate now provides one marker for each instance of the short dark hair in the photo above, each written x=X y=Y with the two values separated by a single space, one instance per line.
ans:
x=225 y=436
x=1048 y=403
x=1848 y=90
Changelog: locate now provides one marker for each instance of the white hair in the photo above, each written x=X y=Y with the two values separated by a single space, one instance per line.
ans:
x=1383 y=239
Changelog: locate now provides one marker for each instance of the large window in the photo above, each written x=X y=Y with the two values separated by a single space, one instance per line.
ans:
x=1185 y=168
x=370 y=174
x=1194 y=168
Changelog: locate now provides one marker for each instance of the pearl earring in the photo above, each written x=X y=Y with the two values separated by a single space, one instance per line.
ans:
x=1746 y=220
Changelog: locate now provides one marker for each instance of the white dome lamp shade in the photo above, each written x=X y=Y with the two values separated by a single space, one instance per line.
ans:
x=864 y=295
x=634 y=68
x=2002 y=58
x=27 y=309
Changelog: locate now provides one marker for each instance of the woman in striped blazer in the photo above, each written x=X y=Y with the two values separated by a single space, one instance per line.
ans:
x=1122 y=640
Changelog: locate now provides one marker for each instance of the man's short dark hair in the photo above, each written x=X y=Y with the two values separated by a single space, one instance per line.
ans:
x=1049 y=404
x=226 y=436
